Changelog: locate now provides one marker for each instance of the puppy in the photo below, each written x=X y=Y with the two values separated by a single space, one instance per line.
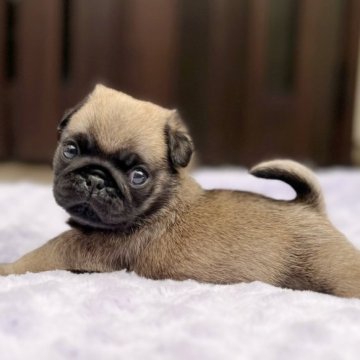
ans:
x=120 y=172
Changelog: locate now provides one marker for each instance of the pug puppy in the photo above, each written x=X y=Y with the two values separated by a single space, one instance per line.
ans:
x=121 y=173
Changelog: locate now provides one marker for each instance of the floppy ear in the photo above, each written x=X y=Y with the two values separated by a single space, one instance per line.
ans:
x=63 y=122
x=180 y=145
x=67 y=116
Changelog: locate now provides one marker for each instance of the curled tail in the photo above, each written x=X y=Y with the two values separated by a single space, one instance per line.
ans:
x=299 y=177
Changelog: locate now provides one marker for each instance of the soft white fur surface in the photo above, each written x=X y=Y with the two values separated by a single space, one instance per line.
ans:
x=60 y=315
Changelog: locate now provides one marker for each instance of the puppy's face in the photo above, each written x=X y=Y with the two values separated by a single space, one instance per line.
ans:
x=118 y=159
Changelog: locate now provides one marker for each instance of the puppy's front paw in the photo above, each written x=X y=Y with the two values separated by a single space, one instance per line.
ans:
x=5 y=269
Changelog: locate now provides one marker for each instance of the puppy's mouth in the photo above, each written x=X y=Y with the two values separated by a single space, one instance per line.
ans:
x=93 y=197
x=84 y=214
x=84 y=211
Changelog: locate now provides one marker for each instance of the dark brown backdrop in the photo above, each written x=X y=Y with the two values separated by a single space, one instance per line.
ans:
x=253 y=78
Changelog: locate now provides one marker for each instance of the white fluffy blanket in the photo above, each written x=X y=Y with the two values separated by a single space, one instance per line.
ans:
x=60 y=315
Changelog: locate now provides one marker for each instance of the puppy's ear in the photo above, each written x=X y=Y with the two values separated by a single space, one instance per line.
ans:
x=63 y=122
x=180 y=145
x=67 y=116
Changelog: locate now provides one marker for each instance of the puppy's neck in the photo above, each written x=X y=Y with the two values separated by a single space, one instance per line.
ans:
x=188 y=190
x=186 y=193
x=132 y=244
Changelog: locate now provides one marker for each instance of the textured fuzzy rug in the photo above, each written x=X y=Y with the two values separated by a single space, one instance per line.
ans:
x=60 y=315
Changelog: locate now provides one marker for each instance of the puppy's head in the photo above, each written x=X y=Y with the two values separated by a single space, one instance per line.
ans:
x=118 y=159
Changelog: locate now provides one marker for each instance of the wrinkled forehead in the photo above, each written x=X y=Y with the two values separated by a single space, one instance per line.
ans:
x=117 y=121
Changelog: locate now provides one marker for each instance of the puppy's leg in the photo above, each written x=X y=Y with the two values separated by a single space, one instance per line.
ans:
x=72 y=250
x=337 y=263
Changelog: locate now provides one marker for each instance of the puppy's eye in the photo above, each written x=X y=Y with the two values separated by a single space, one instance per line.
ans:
x=70 y=151
x=138 y=177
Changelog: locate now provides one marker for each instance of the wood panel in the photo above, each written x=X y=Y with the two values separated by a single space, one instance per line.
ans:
x=317 y=70
x=297 y=123
x=152 y=45
x=275 y=102
x=218 y=61
x=255 y=122
x=246 y=120
x=92 y=29
x=38 y=65
x=193 y=71
x=341 y=145
x=128 y=44
x=3 y=141
x=226 y=82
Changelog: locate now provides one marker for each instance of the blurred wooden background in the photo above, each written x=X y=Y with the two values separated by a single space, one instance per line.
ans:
x=253 y=78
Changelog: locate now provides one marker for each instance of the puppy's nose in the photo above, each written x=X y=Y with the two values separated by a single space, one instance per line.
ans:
x=96 y=179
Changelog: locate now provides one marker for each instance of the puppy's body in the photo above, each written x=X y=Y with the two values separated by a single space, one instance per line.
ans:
x=169 y=227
